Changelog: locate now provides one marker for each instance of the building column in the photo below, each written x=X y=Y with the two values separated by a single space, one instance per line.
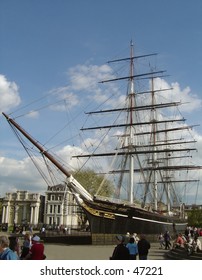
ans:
x=7 y=209
x=16 y=209
x=36 y=214
x=24 y=212
x=3 y=214
x=31 y=216
x=62 y=215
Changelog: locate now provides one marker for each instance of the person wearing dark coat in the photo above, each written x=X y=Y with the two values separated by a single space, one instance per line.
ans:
x=143 y=248
x=120 y=251
x=167 y=239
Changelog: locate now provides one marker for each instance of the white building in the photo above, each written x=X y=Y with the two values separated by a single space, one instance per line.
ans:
x=57 y=208
x=60 y=208
x=22 y=207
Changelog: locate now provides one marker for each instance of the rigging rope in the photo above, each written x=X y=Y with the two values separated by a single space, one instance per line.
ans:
x=29 y=154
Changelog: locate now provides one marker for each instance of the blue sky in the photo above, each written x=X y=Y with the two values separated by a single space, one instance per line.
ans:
x=42 y=40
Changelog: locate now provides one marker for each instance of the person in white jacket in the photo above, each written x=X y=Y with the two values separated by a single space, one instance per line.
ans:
x=196 y=243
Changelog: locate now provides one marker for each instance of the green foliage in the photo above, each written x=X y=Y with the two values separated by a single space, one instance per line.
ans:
x=195 y=217
x=91 y=182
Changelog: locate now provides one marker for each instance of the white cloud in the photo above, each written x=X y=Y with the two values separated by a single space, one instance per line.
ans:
x=33 y=114
x=191 y=101
x=86 y=77
x=9 y=94
x=83 y=80
x=64 y=99
x=19 y=175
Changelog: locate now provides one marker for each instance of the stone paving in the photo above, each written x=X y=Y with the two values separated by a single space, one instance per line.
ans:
x=92 y=252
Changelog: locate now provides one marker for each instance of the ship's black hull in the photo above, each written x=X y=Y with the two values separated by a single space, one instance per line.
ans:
x=119 y=219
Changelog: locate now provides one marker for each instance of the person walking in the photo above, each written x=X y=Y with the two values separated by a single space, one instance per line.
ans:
x=167 y=240
x=133 y=249
x=5 y=252
x=120 y=251
x=161 y=241
x=143 y=247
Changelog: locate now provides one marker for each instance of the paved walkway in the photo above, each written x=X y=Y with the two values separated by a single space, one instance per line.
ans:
x=92 y=252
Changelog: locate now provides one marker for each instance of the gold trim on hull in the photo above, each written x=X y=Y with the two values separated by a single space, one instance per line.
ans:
x=94 y=212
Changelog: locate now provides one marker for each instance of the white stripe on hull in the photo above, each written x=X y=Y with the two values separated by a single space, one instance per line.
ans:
x=149 y=220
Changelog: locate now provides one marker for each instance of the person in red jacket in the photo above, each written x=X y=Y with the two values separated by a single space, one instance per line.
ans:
x=37 y=250
x=179 y=241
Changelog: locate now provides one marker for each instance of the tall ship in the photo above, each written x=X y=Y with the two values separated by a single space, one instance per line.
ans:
x=143 y=152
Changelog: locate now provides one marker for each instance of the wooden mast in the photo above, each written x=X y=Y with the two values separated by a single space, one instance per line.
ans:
x=76 y=186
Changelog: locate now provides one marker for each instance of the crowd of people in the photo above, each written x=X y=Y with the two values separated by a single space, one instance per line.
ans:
x=188 y=240
x=130 y=247
x=31 y=248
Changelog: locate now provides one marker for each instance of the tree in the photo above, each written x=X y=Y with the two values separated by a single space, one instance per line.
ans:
x=195 y=217
x=91 y=182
